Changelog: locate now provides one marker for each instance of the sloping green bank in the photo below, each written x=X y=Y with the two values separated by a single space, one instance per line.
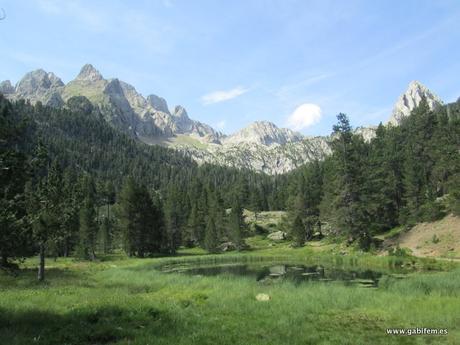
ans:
x=130 y=302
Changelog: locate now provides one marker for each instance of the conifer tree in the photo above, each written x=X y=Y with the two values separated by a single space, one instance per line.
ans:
x=128 y=215
x=417 y=163
x=105 y=236
x=298 y=231
x=173 y=217
x=43 y=198
x=88 y=223
x=236 y=223
x=349 y=204
x=211 y=240
x=15 y=235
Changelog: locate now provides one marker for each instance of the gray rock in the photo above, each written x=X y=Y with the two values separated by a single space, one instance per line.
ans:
x=263 y=297
x=227 y=246
x=264 y=133
x=368 y=133
x=273 y=159
x=54 y=100
x=277 y=236
x=40 y=86
x=261 y=146
x=89 y=73
x=411 y=99
x=158 y=103
x=277 y=270
x=6 y=87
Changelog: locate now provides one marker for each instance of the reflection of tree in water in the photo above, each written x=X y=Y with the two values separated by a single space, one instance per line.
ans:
x=295 y=273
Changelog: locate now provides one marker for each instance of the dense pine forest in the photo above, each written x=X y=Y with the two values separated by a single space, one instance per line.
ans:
x=407 y=174
x=73 y=185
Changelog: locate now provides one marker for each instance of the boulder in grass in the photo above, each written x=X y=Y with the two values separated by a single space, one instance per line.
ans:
x=263 y=297
x=277 y=236
x=227 y=246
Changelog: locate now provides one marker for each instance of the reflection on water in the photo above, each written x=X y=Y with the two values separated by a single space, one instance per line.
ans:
x=296 y=273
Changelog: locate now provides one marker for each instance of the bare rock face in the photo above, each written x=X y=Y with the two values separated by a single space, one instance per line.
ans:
x=273 y=159
x=158 y=103
x=261 y=146
x=411 y=99
x=277 y=236
x=184 y=125
x=367 y=133
x=6 y=88
x=264 y=133
x=89 y=73
x=40 y=86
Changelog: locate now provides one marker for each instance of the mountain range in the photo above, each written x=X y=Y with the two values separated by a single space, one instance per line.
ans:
x=261 y=146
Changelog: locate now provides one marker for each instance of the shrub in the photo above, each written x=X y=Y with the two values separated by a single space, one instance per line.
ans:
x=399 y=252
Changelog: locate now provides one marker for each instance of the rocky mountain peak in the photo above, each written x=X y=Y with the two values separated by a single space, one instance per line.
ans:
x=114 y=87
x=89 y=73
x=6 y=87
x=39 y=85
x=54 y=80
x=158 y=103
x=180 y=112
x=265 y=133
x=38 y=80
x=411 y=99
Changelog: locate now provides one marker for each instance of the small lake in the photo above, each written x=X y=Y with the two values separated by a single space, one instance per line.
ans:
x=271 y=273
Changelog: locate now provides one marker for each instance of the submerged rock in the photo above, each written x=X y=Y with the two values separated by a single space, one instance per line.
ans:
x=278 y=270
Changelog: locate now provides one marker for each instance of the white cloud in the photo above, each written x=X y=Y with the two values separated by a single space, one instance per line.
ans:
x=304 y=116
x=221 y=96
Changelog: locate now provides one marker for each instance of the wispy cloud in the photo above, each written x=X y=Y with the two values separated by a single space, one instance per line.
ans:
x=287 y=89
x=223 y=95
x=304 y=116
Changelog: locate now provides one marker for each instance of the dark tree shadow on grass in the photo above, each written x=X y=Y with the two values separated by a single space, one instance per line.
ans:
x=26 y=278
x=103 y=325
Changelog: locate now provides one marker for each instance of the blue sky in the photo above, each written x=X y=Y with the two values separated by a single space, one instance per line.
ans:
x=296 y=63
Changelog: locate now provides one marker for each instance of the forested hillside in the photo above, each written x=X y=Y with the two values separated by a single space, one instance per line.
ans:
x=407 y=174
x=61 y=166
x=74 y=185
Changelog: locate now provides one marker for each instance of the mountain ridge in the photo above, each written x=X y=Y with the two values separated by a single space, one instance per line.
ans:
x=261 y=146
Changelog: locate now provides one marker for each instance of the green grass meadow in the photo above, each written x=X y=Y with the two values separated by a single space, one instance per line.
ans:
x=127 y=301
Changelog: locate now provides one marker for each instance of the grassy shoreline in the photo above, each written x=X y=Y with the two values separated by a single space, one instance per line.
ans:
x=126 y=301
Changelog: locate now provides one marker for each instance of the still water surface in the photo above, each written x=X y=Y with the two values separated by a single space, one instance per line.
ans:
x=296 y=273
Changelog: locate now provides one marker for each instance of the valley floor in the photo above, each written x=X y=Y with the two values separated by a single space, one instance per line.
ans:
x=127 y=301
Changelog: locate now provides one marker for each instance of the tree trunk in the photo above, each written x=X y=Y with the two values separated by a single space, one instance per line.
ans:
x=41 y=267
x=66 y=247
x=4 y=262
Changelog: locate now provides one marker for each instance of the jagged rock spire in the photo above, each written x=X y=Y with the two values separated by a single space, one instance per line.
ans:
x=88 y=72
x=411 y=99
